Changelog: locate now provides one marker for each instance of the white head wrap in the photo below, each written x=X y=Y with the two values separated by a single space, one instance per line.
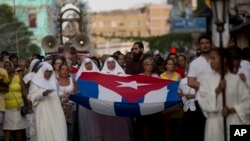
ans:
x=40 y=81
x=117 y=70
x=33 y=64
x=83 y=68
x=29 y=76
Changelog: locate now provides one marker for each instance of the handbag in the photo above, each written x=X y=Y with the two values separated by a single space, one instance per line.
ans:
x=25 y=108
x=68 y=109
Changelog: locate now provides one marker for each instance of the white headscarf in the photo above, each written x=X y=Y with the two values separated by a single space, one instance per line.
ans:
x=83 y=68
x=33 y=64
x=117 y=70
x=40 y=81
x=30 y=75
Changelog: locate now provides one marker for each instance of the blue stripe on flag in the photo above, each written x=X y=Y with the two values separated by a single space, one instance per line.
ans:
x=141 y=100
x=173 y=97
x=88 y=88
x=78 y=98
x=127 y=109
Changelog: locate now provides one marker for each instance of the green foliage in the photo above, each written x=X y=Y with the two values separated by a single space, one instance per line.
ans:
x=200 y=8
x=161 y=43
x=14 y=32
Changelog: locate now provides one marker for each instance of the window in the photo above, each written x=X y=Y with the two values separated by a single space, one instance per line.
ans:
x=93 y=25
x=131 y=23
x=131 y=33
x=100 y=24
x=138 y=23
x=113 y=24
x=139 y=34
x=32 y=20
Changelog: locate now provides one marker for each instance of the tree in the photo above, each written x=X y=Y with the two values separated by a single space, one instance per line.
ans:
x=15 y=33
x=161 y=43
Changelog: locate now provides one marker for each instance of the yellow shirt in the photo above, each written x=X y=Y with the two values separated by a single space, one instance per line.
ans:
x=13 y=99
x=3 y=72
x=176 y=76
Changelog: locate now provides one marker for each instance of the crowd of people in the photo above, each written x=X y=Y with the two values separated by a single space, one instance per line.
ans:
x=44 y=86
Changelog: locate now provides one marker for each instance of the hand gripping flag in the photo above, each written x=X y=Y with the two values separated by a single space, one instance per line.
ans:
x=132 y=95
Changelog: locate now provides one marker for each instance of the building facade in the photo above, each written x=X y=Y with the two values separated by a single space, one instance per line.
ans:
x=182 y=8
x=37 y=16
x=146 y=21
x=240 y=22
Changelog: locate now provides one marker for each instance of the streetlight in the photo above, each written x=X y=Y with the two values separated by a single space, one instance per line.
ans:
x=220 y=10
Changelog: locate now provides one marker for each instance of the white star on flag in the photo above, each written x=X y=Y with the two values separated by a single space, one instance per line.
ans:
x=132 y=84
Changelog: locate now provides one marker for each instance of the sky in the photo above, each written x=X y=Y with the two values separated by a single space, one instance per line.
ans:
x=107 y=5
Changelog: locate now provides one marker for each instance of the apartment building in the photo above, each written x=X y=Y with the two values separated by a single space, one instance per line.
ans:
x=148 y=20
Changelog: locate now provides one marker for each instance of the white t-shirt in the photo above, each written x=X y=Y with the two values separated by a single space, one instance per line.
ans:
x=185 y=89
x=199 y=68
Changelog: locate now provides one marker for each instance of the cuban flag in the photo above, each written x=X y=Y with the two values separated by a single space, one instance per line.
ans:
x=133 y=95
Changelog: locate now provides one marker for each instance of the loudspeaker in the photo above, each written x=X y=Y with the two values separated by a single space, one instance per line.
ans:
x=80 y=42
x=49 y=43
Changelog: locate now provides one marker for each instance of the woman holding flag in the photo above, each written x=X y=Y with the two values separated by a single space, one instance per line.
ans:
x=115 y=128
x=88 y=121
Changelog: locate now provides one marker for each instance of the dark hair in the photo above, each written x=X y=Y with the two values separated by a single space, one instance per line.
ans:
x=166 y=61
x=224 y=53
x=172 y=54
x=4 y=52
x=56 y=58
x=97 y=60
x=38 y=56
x=140 y=44
x=160 y=61
x=182 y=56
x=115 y=55
x=246 y=53
x=13 y=56
x=204 y=36
x=63 y=64
x=235 y=52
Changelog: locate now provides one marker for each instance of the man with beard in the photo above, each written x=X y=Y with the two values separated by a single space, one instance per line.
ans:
x=194 y=120
x=135 y=65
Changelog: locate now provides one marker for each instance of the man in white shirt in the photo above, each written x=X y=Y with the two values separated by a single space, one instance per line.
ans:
x=197 y=72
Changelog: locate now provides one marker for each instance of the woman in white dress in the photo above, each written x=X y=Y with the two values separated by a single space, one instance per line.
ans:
x=88 y=121
x=237 y=109
x=115 y=128
x=50 y=123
